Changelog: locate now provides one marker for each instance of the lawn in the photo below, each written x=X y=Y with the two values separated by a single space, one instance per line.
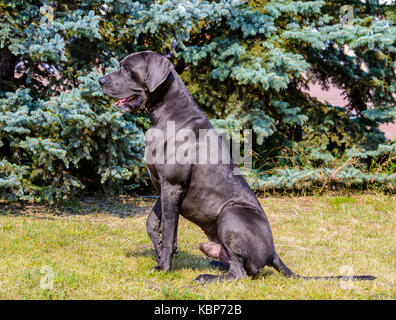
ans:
x=98 y=248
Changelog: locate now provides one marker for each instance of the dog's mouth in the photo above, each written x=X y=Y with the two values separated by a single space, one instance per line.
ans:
x=129 y=103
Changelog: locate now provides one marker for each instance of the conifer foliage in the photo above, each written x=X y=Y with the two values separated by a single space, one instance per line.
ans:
x=247 y=64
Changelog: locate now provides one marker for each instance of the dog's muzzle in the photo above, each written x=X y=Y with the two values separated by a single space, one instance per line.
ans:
x=128 y=104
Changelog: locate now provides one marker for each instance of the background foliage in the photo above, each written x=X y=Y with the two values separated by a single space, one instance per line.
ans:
x=247 y=64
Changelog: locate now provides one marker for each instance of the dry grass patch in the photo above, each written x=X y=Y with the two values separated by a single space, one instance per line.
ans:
x=98 y=248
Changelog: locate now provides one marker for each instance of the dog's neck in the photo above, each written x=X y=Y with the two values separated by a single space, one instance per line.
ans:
x=157 y=96
x=169 y=97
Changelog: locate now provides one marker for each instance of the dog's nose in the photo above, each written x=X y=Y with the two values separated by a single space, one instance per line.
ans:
x=102 y=80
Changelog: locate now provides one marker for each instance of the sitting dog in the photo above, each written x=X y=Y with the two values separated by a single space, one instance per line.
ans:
x=210 y=195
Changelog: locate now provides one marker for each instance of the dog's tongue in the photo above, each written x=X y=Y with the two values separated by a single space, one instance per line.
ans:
x=120 y=101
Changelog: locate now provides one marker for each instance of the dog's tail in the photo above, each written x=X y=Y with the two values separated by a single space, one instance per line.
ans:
x=278 y=265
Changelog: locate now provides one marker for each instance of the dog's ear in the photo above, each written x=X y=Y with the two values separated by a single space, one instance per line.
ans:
x=158 y=68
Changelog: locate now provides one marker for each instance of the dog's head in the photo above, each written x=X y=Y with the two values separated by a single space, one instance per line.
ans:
x=139 y=75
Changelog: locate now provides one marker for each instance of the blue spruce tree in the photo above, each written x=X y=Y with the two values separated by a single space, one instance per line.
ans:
x=246 y=64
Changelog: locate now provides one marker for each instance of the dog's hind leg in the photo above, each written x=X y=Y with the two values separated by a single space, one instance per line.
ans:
x=230 y=247
x=235 y=272
x=215 y=250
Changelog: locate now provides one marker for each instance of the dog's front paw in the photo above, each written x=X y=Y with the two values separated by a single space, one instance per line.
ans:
x=162 y=267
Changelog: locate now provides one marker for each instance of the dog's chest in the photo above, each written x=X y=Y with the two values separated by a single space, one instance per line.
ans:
x=154 y=177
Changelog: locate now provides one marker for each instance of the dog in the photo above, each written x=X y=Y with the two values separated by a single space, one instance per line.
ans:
x=210 y=195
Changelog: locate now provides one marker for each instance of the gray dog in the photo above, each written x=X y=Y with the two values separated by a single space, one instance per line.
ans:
x=210 y=195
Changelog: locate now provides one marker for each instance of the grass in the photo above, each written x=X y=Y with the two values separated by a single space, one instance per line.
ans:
x=98 y=248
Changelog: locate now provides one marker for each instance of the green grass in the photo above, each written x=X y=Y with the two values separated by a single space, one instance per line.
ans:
x=98 y=248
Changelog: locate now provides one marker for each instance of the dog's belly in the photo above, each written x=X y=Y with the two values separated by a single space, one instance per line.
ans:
x=201 y=208
x=211 y=188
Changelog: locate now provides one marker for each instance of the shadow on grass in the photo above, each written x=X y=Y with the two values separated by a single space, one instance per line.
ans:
x=264 y=273
x=121 y=206
x=181 y=260
x=186 y=260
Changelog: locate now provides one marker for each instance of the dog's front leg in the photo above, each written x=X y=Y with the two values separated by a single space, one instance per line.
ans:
x=171 y=197
x=153 y=225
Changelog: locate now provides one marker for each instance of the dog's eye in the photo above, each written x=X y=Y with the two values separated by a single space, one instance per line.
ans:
x=126 y=68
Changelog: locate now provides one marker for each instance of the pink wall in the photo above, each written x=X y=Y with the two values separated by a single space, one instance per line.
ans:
x=334 y=97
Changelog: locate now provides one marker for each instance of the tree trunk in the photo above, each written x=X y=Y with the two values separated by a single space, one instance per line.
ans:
x=7 y=65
